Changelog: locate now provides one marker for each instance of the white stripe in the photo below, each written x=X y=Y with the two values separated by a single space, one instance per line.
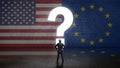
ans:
x=28 y=27
x=28 y=53
x=42 y=12
x=27 y=34
x=45 y=20
x=27 y=42
x=47 y=5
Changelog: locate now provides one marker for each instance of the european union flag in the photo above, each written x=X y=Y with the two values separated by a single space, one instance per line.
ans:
x=96 y=23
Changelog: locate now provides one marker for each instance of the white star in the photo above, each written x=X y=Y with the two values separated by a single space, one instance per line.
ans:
x=23 y=15
x=8 y=17
x=18 y=5
x=29 y=4
x=8 y=2
x=20 y=12
x=11 y=20
x=26 y=7
x=8 y=7
x=14 y=12
x=26 y=17
x=3 y=7
x=14 y=22
x=23 y=4
x=8 y=12
x=3 y=12
x=11 y=14
x=17 y=9
x=23 y=20
x=32 y=22
x=20 y=17
x=11 y=9
x=8 y=22
x=3 y=23
x=26 y=22
x=20 y=2
x=29 y=20
x=12 y=5
x=14 y=2
x=23 y=9
x=26 y=12
x=32 y=2
x=15 y=18
x=3 y=18
x=3 y=2
x=30 y=15
x=29 y=10
x=32 y=7
x=20 y=22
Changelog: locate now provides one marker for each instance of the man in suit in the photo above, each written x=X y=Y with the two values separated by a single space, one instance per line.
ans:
x=60 y=46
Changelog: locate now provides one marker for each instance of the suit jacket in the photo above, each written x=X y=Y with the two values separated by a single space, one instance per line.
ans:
x=59 y=47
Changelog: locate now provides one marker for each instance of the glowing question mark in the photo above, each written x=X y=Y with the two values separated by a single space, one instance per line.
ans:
x=68 y=19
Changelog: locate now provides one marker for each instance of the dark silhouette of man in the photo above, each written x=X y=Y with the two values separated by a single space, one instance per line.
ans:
x=60 y=46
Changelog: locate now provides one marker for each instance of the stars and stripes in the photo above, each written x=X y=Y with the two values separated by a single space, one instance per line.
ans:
x=24 y=24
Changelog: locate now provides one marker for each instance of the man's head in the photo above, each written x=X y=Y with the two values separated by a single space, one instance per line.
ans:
x=59 y=41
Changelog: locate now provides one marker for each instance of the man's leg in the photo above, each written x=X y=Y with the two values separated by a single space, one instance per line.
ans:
x=57 y=57
x=62 y=57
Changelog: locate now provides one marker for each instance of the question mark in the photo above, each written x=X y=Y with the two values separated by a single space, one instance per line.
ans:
x=68 y=19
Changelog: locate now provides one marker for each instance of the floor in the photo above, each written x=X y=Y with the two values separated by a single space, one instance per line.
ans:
x=74 y=58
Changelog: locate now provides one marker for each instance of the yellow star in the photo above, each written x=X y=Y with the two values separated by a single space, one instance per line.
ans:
x=107 y=33
x=101 y=40
x=76 y=33
x=92 y=51
x=92 y=43
x=76 y=15
x=103 y=52
x=107 y=15
x=92 y=6
x=83 y=9
x=100 y=9
x=74 y=24
x=74 y=55
x=82 y=52
x=110 y=24
x=112 y=55
x=83 y=40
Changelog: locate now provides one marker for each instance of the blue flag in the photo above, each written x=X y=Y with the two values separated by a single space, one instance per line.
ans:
x=96 y=23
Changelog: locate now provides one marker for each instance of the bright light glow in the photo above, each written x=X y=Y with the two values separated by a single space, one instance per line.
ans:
x=62 y=40
x=68 y=19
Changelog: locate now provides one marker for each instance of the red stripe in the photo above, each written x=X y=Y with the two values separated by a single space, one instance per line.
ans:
x=27 y=45
x=44 y=9
x=26 y=49
x=27 y=38
x=48 y=1
x=27 y=56
x=28 y=30
x=48 y=23
x=46 y=16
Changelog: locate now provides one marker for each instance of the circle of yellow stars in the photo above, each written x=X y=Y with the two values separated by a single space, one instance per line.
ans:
x=109 y=24
x=83 y=52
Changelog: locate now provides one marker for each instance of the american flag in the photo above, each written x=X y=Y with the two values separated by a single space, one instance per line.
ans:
x=24 y=25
